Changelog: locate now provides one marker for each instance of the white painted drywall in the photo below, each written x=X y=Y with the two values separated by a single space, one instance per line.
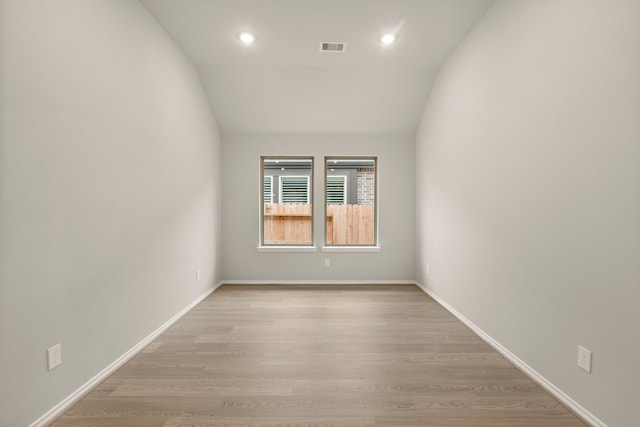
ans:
x=109 y=191
x=528 y=191
x=240 y=212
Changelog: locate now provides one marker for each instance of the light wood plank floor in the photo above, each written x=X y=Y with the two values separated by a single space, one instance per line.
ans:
x=318 y=356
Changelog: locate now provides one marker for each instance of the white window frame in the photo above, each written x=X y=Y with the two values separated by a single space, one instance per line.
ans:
x=375 y=246
x=277 y=199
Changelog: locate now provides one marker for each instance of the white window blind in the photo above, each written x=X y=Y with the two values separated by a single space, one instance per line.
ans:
x=294 y=189
x=268 y=189
x=336 y=190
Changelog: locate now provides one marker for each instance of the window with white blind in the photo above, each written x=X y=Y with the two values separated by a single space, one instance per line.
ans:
x=267 y=188
x=294 y=189
x=336 y=190
x=286 y=208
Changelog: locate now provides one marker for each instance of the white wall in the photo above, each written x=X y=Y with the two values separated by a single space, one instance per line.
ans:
x=528 y=191
x=240 y=213
x=109 y=191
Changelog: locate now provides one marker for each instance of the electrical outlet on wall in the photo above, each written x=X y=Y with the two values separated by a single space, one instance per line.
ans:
x=197 y=274
x=54 y=356
x=584 y=358
x=327 y=262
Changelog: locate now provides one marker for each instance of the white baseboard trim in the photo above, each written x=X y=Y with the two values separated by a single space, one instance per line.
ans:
x=319 y=282
x=74 y=397
x=579 y=410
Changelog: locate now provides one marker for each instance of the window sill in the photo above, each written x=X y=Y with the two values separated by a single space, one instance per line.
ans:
x=351 y=249
x=287 y=248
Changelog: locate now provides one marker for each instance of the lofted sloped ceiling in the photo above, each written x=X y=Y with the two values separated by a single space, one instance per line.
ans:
x=284 y=84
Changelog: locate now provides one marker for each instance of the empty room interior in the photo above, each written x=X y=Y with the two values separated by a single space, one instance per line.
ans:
x=305 y=212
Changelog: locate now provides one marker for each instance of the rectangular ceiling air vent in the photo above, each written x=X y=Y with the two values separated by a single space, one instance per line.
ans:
x=333 y=47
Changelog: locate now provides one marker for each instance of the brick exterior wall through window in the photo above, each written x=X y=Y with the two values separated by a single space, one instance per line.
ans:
x=366 y=186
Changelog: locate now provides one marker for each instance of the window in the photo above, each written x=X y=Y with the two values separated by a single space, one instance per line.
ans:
x=351 y=201
x=336 y=190
x=267 y=187
x=294 y=189
x=286 y=209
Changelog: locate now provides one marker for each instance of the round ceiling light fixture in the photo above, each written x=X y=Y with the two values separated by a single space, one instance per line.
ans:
x=388 y=38
x=246 y=37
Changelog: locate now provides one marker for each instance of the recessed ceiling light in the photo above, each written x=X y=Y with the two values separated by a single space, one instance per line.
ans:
x=246 y=38
x=388 y=38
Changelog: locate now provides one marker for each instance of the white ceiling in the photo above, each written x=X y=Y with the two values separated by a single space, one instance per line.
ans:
x=284 y=84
